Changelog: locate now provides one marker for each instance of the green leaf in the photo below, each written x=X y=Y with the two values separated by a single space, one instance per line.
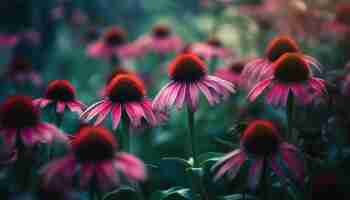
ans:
x=173 y=171
x=238 y=197
x=209 y=156
x=174 y=193
x=124 y=192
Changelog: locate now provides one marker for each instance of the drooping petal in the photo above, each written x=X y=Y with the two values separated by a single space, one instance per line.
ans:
x=106 y=175
x=258 y=89
x=103 y=113
x=230 y=163
x=193 y=96
x=61 y=168
x=75 y=107
x=60 y=107
x=294 y=163
x=181 y=96
x=130 y=166
x=255 y=173
x=86 y=172
x=149 y=114
x=116 y=115
x=205 y=90
x=158 y=101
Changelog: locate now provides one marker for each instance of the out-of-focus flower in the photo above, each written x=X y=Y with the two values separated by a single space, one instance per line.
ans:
x=117 y=71
x=20 y=119
x=124 y=92
x=112 y=43
x=188 y=75
x=161 y=40
x=232 y=72
x=95 y=158
x=262 y=144
x=62 y=94
x=290 y=73
x=341 y=23
x=212 y=48
x=258 y=69
x=21 y=70
x=8 y=40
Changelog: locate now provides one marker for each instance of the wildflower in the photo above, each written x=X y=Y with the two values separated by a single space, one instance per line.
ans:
x=290 y=73
x=124 y=92
x=94 y=156
x=188 y=76
x=20 y=119
x=212 y=48
x=258 y=69
x=232 y=72
x=61 y=93
x=341 y=23
x=262 y=144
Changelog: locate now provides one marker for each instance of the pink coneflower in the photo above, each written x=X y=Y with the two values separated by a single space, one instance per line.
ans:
x=118 y=70
x=188 y=75
x=341 y=23
x=125 y=92
x=262 y=144
x=112 y=43
x=258 y=69
x=21 y=70
x=95 y=159
x=212 y=48
x=61 y=93
x=20 y=119
x=8 y=40
x=290 y=73
x=232 y=72
x=161 y=40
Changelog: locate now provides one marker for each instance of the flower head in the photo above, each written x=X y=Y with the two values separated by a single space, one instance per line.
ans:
x=259 y=69
x=61 y=93
x=20 y=69
x=290 y=73
x=94 y=154
x=188 y=74
x=114 y=36
x=262 y=144
x=18 y=115
x=124 y=91
x=232 y=72
x=341 y=22
x=212 y=48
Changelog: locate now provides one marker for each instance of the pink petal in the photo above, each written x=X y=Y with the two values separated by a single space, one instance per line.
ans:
x=149 y=114
x=63 y=167
x=28 y=137
x=258 y=89
x=277 y=170
x=193 y=96
x=135 y=120
x=294 y=164
x=103 y=113
x=86 y=172
x=132 y=167
x=60 y=107
x=181 y=96
x=158 y=101
x=106 y=175
x=255 y=173
x=75 y=107
x=205 y=90
x=231 y=162
x=87 y=113
x=116 y=115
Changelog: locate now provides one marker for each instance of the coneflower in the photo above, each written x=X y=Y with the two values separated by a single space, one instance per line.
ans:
x=96 y=159
x=210 y=49
x=8 y=40
x=258 y=69
x=232 y=72
x=341 y=22
x=161 y=40
x=62 y=93
x=263 y=146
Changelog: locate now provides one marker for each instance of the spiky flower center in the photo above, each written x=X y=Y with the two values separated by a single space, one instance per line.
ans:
x=187 y=68
x=116 y=72
x=261 y=138
x=161 y=31
x=126 y=88
x=279 y=46
x=60 y=90
x=237 y=67
x=291 y=68
x=93 y=144
x=21 y=64
x=214 y=42
x=18 y=112
x=343 y=14
x=115 y=36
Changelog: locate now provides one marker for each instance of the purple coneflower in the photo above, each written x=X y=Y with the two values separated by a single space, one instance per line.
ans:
x=124 y=92
x=95 y=158
x=161 y=40
x=258 y=69
x=21 y=70
x=20 y=120
x=291 y=73
x=8 y=40
x=262 y=144
x=232 y=72
x=188 y=75
x=113 y=43
x=61 y=93
x=341 y=23
x=210 y=49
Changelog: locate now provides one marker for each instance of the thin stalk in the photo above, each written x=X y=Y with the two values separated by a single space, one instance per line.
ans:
x=289 y=113
x=23 y=165
x=127 y=135
x=94 y=193
x=265 y=185
x=213 y=64
x=192 y=136
x=58 y=122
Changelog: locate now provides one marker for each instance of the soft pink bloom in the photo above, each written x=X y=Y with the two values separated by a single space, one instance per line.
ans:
x=125 y=92
x=19 y=117
x=188 y=75
x=260 y=68
x=21 y=70
x=232 y=72
x=290 y=73
x=262 y=144
x=8 y=40
x=112 y=43
x=61 y=93
x=161 y=40
x=94 y=155
x=213 y=48
x=341 y=23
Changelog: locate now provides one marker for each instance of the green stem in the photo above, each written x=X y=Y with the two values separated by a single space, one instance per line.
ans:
x=23 y=165
x=58 y=122
x=265 y=184
x=192 y=136
x=289 y=113
x=213 y=64
x=126 y=136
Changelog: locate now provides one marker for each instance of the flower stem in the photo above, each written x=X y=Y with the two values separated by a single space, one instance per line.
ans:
x=192 y=136
x=127 y=135
x=265 y=184
x=23 y=165
x=213 y=64
x=58 y=122
x=289 y=113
